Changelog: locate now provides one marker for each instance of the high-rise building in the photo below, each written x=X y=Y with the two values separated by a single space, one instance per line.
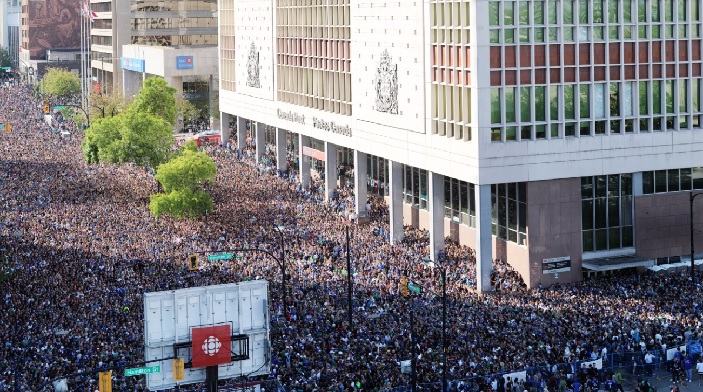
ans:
x=562 y=136
x=11 y=12
x=133 y=39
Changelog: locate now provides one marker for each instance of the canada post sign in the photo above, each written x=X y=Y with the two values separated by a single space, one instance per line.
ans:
x=556 y=265
x=132 y=64
x=184 y=62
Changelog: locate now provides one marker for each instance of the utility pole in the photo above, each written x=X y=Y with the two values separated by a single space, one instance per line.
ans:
x=349 y=284
x=413 y=354
x=444 y=329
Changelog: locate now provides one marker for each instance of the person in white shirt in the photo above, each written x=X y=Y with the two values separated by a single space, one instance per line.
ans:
x=699 y=367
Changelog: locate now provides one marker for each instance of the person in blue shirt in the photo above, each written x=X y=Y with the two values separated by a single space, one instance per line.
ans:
x=593 y=384
x=611 y=385
x=688 y=367
x=576 y=386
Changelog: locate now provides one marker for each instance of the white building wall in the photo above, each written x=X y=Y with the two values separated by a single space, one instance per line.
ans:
x=254 y=38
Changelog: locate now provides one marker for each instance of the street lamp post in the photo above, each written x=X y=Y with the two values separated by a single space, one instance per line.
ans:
x=349 y=285
x=693 y=266
x=443 y=271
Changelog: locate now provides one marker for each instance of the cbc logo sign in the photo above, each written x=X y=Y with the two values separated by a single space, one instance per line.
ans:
x=211 y=346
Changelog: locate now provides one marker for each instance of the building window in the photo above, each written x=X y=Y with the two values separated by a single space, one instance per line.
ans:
x=415 y=187
x=377 y=175
x=509 y=211
x=459 y=201
x=606 y=212
x=673 y=180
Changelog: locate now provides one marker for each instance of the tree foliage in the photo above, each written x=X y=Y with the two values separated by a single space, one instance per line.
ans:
x=157 y=98
x=140 y=132
x=5 y=58
x=185 y=108
x=141 y=138
x=182 y=179
x=107 y=104
x=60 y=82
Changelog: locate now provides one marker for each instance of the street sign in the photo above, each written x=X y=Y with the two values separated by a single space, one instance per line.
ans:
x=220 y=256
x=6 y=69
x=414 y=288
x=140 y=371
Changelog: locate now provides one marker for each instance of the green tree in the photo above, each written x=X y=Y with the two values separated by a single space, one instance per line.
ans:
x=107 y=104
x=182 y=179
x=60 y=83
x=157 y=98
x=141 y=138
x=5 y=58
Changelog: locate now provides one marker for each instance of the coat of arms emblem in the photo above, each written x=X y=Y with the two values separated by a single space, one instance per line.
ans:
x=386 y=85
x=253 y=79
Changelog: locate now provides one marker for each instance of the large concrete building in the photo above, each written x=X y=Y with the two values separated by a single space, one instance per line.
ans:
x=134 y=39
x=562 y=136
x=11 y=12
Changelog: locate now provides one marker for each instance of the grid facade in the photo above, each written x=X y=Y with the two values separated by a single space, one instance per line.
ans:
x=579 y=68
x=313 y=54
x=450 y=35
x=174 y=23
x=228 y=69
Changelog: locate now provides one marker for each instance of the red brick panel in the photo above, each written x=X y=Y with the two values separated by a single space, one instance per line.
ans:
x=570 y=54
x=644 y=52
x=630 y=71
x=656 y=51
x=584 y=54
x=554 y=75
x=541 y=76
x=495 y=56
x=696 y=50
x=598 y=53
x=629 y=52
x=554 y=55
x=525 y=58
x=683 y=50
x=683 y=70
x=510 y=57
x=540 y=55
x=670 y=51
x=614 y=50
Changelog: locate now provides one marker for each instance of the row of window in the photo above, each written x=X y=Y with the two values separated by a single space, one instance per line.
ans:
x=595 y=109
x=674 y=180
x=606 y=212
x=460 y=201
x=521 y=20
x=377 y=175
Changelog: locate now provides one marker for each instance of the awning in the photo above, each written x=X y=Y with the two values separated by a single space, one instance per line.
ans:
x=617 y=263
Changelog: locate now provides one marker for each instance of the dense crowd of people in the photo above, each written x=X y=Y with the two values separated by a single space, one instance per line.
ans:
x=78 y=248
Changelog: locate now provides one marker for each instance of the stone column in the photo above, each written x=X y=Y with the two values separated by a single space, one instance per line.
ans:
x=260 y=143
x=395 y=173
x=331 y=173
x=436 y=191
x=303 y=161
x=241 y=133
x=484 y=238
x=224 y=127
x=360 y=177
x=281 y=143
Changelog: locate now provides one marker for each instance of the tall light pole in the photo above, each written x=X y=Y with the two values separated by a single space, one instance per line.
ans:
x=443 y=271
x=693 y=266
x=349 y=285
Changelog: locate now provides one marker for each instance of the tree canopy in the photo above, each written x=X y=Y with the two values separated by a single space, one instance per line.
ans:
x=5 y=58
x=156 y=97
x=141 y=138
x=60 y=82
x=182 y=179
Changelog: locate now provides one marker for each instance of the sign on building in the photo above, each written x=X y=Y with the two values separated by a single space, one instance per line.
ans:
x=556 y=265
x=184 y=62
x=132 y=64
x=224 y=325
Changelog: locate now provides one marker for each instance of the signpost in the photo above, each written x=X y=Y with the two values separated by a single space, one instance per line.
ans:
x=220 y=256
x=140 y=371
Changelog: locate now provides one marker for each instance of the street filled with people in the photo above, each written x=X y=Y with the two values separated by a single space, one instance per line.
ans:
x=79 y=248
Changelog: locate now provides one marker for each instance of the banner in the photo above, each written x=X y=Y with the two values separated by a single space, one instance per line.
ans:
x=598 y=363
x=522 y=376
x=670 y=352
x=132 y=64
x=211 y=346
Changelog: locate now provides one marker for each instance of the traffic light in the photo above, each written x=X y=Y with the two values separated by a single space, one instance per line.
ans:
x=105 y=381
x=193 y=262
x=47 y=109
x=178 y=369
x=8 y=127
x=404 y=286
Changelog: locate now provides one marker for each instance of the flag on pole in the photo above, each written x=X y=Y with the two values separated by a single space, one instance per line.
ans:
x=87 y=12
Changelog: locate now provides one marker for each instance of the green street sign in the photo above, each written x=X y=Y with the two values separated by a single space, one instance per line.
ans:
x=140 y=371
x=414 y=288
x=344 y=272
x=5 y=69
x=220 y=256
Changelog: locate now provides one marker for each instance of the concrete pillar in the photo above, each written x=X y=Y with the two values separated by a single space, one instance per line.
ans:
x=360 y=177
x=637 y=186
x=260 y=143
x=281 y=143
x=484 y=238
x=224 y=127
x=303 y=161
x=331 y=173
x=241 y=133
x=396 y=195
x=436 y=191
